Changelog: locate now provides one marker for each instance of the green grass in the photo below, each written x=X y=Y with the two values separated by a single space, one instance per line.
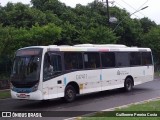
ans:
x=5 y=94
x=121 y=118
x=149 y=106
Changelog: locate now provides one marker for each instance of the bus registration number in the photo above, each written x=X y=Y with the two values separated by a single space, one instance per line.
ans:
x=22 y=95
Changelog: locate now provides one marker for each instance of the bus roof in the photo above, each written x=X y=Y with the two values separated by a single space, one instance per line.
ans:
x=91 y=47
x=96 y=47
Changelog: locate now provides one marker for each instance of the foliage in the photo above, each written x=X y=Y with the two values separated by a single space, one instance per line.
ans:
x=52 y=5
x=46 y=22
x=147 y=24
x=98 y=35
x=152 y=40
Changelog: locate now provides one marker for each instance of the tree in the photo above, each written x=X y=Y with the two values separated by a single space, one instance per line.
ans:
x=69 y=34
x=152 y=40
x=147 y=24
x=45 y=35
x=20 y=15
x=127 y=29
x=6 y=51
x=99 y=35
x=130 y=33
x=6 y=39
x=52 y=5
x=48 y=22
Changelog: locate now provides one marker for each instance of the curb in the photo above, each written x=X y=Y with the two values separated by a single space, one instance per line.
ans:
x=114 y=108
x=4 y=90
x=136 y=103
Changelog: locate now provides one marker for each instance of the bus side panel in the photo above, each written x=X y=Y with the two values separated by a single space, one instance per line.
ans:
x=114 y=78
x=109 y=77
x=52 y=89
x=87 y=80
x=142 y=74
x=93 y=82
x=138 y=74
x=148 y=73
x=77 y=77
x=123 y=73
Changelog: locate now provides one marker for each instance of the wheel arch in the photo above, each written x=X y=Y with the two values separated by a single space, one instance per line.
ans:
x=129 y=76
x=75 y=85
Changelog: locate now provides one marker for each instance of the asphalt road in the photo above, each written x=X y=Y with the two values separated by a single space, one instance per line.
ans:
x=86 y=103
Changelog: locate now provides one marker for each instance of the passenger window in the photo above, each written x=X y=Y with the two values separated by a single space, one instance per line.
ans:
x=122 y=59
x=91 y=60
x=73 y=60
x=135 y=58
x=146 y=58
x=108 y=59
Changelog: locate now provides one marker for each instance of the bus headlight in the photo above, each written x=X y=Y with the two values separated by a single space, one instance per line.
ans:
x=35 y=87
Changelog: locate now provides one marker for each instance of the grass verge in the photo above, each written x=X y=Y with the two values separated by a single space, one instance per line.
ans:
x=152 y=107
x=5 y=94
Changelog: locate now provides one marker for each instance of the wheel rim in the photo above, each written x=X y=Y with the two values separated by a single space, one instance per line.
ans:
x=69 y=94
x=128 y=85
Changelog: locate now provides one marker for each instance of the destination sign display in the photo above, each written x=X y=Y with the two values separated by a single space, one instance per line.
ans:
x=25 y=52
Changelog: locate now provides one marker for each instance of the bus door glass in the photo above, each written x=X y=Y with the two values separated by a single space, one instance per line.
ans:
x=52 y=74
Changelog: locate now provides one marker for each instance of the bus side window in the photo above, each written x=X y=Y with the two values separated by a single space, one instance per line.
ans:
x=91 y=60
x=68 y=65
x=108 y=59
x=68 y=61
x=52 y=65
x=47 y=63
x=122 y=59
x=93 y=64
x=135 y=59
x=73 y=60
x=146 y=58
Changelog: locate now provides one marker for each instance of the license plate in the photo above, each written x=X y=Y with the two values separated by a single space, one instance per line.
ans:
x=22 y=95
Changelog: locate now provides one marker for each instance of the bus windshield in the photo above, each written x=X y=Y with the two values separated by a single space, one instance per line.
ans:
x=26 y=66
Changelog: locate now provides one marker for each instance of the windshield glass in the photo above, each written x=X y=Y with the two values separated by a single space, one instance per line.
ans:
x=26 y=66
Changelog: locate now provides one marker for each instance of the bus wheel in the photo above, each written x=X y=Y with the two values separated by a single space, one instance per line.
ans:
x=70 y=94
x=128 y=85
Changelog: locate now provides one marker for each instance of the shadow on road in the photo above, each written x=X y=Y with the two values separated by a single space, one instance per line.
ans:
x=81 y=99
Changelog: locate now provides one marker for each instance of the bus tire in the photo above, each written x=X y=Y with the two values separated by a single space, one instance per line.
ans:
x=70 y=94
x=128 y=85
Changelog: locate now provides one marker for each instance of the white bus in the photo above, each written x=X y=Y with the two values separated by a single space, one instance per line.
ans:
x=48 y=72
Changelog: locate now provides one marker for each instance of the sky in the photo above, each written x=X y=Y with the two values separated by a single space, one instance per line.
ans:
x=152 y=12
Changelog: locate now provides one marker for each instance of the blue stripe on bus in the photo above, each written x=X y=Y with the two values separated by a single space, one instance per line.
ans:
x=65 y=81
x=100 y=76
x=22 y=90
